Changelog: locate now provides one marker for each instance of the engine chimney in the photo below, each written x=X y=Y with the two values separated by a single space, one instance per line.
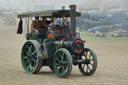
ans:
x=73 y=19
x=63 y=7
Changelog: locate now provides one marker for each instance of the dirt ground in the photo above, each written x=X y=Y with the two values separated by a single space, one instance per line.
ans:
x=112 y=63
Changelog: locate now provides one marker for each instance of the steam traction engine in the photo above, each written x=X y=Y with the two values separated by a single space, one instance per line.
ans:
x=58 y=47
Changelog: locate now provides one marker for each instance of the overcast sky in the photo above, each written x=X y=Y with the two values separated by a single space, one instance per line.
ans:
x=59 y=3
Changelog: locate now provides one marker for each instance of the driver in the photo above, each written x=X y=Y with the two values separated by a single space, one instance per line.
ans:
x=36 y=25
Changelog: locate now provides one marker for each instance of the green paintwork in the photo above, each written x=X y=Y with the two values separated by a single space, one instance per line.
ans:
x=62 y=63
x=29 y=57
x=51 y=49
x=35 y=35
x=50 y=44
x=39 y=35
x=49 y=13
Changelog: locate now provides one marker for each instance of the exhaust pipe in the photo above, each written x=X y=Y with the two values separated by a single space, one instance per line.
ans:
x=73 y=19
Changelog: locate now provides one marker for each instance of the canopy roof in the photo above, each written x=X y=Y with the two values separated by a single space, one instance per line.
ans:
x=49 y=13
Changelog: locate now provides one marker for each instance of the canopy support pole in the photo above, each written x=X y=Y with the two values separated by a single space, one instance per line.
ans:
x=27 y=22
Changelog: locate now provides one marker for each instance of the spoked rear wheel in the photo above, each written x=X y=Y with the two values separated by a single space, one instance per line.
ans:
x=30 y=59
x=89 y=66
x=62 y=63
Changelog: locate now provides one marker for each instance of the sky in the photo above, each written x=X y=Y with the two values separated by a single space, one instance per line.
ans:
x=81 y=4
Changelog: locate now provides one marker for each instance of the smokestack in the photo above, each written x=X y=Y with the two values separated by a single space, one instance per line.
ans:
x=63 y=7
x=73 y=19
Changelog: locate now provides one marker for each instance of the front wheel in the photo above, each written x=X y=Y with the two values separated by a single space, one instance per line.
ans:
x=89 y=66
x=62 y=63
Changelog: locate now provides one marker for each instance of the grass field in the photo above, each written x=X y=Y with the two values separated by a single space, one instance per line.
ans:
x=86 y=35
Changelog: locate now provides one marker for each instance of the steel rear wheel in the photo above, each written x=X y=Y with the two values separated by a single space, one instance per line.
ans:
x=62 y=63
x=89 y=66
x=30 y=59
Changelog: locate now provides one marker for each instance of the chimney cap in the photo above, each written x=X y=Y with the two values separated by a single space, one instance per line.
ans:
x=72 y=6
x=63 y=7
